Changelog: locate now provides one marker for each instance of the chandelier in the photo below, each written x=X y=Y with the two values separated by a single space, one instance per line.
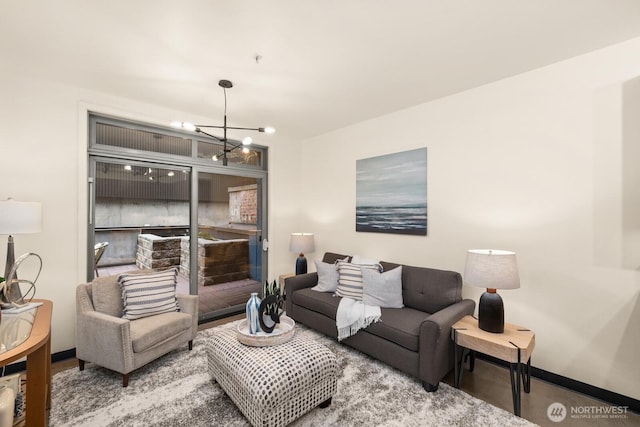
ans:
x=228 y=147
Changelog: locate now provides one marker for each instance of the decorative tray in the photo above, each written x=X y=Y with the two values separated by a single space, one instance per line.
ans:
x=283 y=332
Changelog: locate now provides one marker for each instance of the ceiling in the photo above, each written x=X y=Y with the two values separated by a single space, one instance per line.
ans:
x=323 y=64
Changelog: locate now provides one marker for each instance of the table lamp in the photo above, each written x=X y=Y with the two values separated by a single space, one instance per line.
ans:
x=18 y=218
x=491 y=269
x=301 y=243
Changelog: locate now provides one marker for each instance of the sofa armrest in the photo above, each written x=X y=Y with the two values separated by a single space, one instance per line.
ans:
x=189 y=304
x=293 y=283
x=436 y=358
x=105 y=340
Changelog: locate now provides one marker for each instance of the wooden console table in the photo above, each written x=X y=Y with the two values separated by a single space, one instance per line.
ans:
x=37 y=349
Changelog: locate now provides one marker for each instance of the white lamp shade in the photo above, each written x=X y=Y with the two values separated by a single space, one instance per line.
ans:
x=491 y=269
x=20 y=217
x=301 y=243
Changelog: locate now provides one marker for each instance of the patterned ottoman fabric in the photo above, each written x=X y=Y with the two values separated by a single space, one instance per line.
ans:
x=273 y=386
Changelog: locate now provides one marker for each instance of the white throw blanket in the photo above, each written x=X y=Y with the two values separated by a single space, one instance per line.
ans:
x=354 y=315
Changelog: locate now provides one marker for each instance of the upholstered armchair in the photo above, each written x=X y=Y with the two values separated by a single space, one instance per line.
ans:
x=107 y=339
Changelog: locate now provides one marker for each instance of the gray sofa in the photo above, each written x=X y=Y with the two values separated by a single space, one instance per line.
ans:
x=414 y=339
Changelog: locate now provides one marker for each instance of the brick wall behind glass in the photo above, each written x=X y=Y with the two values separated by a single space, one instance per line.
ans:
x=243 y=204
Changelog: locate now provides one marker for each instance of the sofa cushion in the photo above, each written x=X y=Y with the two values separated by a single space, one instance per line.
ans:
x=350 y=279
x=148 y=294
x=382 y=289
x=429 y=289
x=399 y=325
x=321 y=302
x=149 y=331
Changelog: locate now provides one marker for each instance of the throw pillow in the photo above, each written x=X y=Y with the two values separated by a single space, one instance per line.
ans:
x=350 y=279
x=327 y=277
x=148 y=294
x=382 y=289
x=107 y=295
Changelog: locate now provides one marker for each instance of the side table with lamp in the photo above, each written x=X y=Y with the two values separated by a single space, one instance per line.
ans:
x=488 y=334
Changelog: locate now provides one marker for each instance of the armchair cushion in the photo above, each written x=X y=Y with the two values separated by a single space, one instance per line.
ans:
x=148 y=294
x=151 y=330
x=107 y=296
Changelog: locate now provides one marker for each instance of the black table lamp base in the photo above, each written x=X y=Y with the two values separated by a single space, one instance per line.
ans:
x=491 y=312
x=301 y=265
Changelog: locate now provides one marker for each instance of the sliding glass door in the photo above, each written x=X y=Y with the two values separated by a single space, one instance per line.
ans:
x=229 y=250
x=145 y=207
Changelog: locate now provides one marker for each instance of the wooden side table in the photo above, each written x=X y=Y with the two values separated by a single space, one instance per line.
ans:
x=514 y=346
x=37 y=348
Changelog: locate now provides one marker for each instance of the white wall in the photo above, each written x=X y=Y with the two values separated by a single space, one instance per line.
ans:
x=43 y=136
x=531 y=164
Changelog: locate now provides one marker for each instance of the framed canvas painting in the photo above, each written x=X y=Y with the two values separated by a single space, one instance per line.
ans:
x=391 y=193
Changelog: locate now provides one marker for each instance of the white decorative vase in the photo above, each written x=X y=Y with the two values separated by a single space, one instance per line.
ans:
x=253 y=311
x=7 y=405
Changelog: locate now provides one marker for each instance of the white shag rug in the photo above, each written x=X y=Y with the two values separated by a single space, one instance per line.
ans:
x=176 y=390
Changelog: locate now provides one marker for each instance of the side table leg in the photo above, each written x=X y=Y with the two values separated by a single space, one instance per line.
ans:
x=515 y=371
x=458 y=360
x=526 y=377
x=457 y=372
x=38 y=387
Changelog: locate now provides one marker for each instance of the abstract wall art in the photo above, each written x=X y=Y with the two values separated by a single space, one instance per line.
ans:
x=391 y=193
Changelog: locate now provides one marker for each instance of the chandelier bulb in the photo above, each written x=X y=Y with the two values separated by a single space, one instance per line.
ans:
x=247 y=140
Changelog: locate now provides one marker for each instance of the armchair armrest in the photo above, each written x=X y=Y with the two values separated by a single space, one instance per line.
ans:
x=189 y=304
x=436 y=359
x=105 y=340
x=293 y=283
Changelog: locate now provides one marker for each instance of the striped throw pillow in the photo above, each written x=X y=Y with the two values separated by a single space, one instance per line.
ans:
x=350 y=279
x=148 y=294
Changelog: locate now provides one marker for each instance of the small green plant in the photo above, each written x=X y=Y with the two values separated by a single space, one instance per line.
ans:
x=272 y=289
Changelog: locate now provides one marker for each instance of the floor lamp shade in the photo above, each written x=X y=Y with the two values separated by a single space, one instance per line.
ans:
x=18 y=218
x=491 y=269
x=301 y=243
